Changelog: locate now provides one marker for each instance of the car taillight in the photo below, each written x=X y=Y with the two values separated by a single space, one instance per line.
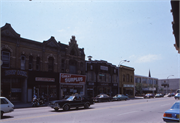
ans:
x=167 y=115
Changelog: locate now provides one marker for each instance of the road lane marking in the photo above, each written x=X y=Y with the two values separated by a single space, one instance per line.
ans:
x=165 y=104
x=128 y=112
x=77 y=112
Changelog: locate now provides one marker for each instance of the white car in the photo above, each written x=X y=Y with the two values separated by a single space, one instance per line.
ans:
x=6 y=106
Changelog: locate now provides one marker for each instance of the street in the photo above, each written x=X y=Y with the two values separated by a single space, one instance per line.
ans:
x=130 y=111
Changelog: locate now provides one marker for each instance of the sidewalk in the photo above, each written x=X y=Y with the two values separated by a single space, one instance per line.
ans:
x=26 y=105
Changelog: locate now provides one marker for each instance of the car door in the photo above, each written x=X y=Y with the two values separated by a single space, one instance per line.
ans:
x=5 y=105
x=77 y=101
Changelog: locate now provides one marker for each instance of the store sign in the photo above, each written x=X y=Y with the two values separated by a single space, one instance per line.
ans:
x=91 y=83
x=45 y=79
x=15 y=89
x=72 y=78
x=125 y=85
x=104 y=68
x=15 y=72
x=115 y=84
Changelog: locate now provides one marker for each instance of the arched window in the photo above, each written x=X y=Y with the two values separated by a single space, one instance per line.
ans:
x=23 y=62
x=51 y=64
x=72 y=66
x=38 y=63
x=5 y=57
x=30 y=62
x=72 y=52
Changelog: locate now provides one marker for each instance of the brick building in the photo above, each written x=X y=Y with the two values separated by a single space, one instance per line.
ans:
x=30 y=66
x=126 y=80
x=101 y=78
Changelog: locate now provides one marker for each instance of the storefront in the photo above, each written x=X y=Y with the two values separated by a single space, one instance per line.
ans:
x=14 y=84
x=104 y=88
x=43 y=83
x=71 y=84
x=90 y=89
x=128 y=90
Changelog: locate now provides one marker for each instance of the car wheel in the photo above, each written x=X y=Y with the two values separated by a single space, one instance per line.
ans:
x=2 y=114
x=56 y=109
x=66 y=108
x=86 y=105
x=125 y=99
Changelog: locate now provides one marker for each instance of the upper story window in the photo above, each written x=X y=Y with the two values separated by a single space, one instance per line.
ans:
x=73 y=66
x=91 y=67
x=51 y=64
x=30 y=62
x=124 y=78
x=38 y=63
x=72 y=52
x=127 y=77
x=62 y=65
x=23 y=62
x=6 y=59
x=131 y=79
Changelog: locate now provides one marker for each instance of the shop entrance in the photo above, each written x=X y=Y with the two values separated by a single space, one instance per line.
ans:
x=11 y=88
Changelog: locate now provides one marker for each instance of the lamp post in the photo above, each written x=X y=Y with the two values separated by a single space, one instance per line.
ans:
x=167 y=81
x=120 y=63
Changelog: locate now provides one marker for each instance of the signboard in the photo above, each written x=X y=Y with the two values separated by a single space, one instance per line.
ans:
x=15 y=72
x=104 y=68
x=72 y=78
x=15 y=89
x=45 y=79
x=126 y=85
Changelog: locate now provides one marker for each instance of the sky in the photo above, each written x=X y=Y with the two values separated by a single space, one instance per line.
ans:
x=112 y=30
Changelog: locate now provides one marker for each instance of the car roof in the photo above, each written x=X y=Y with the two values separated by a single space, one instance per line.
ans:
x=2 y=97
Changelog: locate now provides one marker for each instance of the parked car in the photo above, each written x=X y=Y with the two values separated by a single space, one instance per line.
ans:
x=120 y=97
x=158 y=95
x=171 y=94
x=177 y=96
x=172 y=115
x=71 y=102
x=6 y=106
x=102 y=97
x=149 y=95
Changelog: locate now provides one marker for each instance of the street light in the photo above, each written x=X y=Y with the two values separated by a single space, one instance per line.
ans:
x=120 y=63
x=167 y=81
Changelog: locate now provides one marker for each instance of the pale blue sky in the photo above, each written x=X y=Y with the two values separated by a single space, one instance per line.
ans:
x=110 y=30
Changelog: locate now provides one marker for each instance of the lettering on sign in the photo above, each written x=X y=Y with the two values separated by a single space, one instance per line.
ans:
x=45 y=79
x=72 y=78
x=16 y=72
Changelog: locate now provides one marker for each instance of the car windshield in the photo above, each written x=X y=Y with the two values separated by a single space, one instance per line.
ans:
x=70 y=98
x=176 y=106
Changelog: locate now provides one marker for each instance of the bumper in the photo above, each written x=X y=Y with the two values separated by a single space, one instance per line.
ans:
x=171 y=120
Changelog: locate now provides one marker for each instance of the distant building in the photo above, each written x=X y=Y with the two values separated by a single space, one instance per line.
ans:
x=144 y=84
x=168 y=85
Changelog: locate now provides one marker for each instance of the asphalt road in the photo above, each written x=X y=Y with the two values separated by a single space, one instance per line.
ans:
x=130 y=111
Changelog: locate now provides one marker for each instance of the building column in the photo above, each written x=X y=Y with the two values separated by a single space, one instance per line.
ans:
x=24 y=91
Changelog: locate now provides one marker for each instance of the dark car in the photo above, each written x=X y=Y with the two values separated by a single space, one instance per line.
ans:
x=71 y=102
x=171 y=94
x=177 y=96
x=102 y=98
x=172 y=115
x=120 y=97
x=149 y=95
x=159 y=95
